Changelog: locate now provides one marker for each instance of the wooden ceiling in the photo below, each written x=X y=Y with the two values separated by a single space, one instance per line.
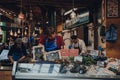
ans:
x=13 y=7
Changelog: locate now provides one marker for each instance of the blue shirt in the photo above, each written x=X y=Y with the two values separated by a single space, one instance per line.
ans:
x=17 y=53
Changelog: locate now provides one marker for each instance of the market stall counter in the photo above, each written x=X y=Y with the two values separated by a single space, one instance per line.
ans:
x=51 y=71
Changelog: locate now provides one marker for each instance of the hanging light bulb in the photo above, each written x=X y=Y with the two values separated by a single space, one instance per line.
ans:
x=11 y=32
x=15 y=34
x=21 y=15
x=18 y=31
x=25 y=32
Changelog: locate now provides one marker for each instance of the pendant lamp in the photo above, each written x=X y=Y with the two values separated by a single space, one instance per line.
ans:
x=18 y=31
x=21 y=15
x=25 y=32
x=11 y=33
x=15 y=34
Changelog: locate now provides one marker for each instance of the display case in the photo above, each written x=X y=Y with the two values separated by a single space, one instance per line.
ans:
x=49 y=71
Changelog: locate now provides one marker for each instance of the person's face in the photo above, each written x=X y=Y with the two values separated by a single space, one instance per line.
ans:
x=52 y=36
x=74 y=40
x=19 y=45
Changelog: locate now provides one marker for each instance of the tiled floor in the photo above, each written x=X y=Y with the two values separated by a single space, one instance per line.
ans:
x=5 y=75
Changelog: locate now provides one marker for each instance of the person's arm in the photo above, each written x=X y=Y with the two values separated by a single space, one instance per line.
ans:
x=11 y=59
x=22 y=59
x=83 y=47
x=42 y=39
x=10 y=54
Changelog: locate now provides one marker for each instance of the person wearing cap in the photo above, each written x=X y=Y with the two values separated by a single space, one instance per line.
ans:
x=78 y=44
x=17 y=51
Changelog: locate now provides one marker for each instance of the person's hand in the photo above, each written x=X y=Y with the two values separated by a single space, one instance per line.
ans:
x=11 y=63
x=18 y=61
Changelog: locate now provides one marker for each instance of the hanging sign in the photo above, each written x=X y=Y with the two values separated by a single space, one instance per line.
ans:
x=80 y=19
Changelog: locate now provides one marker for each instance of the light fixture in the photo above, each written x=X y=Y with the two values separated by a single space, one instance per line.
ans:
x=21 y=15
x=73 y=14
x=18 y=31
x=25 y=32
x=47 y=22
x=11 y=32
x=99 y=21
x=15 y=34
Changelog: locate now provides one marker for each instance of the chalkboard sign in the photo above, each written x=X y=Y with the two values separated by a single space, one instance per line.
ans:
x=38 y=52
x=53 y=55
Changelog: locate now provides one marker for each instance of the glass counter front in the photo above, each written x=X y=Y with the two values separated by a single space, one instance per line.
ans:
x=38 y=71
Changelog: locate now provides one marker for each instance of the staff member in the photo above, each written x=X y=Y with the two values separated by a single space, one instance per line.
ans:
x=17 y=51
x=51 y=41
x=78 y=44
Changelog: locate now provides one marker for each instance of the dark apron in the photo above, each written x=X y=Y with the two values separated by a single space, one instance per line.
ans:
x=50 y=45
x=78 y=47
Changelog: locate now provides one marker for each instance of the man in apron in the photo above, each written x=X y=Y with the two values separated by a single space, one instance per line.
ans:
x=78 y=44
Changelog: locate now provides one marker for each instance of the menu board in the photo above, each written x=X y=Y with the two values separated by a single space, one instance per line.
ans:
x=4 y=54
x=38 y=52
x=53 y=55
